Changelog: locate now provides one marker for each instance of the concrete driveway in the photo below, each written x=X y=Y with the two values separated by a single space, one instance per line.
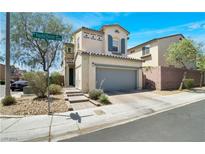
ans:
x=140 y=99
x=135 y=97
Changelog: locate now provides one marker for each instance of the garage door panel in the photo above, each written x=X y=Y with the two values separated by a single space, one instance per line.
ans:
x=116 y=79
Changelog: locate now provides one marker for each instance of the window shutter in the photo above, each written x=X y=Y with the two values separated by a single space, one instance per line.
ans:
x=123 y=46
x=110 y=42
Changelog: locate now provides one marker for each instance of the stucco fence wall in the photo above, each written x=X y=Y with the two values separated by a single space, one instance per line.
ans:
x=164 y=78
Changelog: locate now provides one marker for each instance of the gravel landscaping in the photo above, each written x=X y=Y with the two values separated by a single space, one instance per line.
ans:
x=29 y=105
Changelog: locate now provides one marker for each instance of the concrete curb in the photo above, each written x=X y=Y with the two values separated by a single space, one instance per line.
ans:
x=91 y=129
x=102 y=124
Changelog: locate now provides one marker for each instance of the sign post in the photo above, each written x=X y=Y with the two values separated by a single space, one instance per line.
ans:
x=47 y=37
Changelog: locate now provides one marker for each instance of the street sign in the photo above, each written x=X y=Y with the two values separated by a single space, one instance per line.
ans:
x=47 y=36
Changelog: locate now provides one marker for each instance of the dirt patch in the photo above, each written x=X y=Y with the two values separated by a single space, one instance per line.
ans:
x=167 y=92
x=31 y=106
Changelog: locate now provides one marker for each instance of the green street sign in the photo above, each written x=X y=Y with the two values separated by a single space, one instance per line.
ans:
x=47 y=36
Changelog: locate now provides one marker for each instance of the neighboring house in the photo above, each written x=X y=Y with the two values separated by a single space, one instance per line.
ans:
x=15 y=72
x=153 y=51
x=157 y=73
x=98 y=59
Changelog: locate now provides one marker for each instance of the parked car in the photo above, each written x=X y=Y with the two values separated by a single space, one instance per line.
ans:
x=18 y=85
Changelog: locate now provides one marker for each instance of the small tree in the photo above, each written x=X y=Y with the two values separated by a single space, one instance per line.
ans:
x=32 y=52
x=201 y=66
x=183 y=53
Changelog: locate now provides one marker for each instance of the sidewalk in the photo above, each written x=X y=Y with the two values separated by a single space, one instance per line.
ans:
x=66 y=125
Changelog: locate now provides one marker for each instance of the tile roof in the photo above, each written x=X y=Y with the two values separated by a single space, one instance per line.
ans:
x=101 y=29
x=155 y=39
x=109 y=55
x=114 y=25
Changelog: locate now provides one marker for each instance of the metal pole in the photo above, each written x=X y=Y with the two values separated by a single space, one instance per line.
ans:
x=7 y=73
x=49 y=110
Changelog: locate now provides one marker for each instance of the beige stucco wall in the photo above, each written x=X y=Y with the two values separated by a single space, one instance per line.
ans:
x=118 y=36
x=88 y=70
x=163 y=45
x=92 y=45
x=150 y=60
x=75 y=38
x=78 y=72
x=157 y=50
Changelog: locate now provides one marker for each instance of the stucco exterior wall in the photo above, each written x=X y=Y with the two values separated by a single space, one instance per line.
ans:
x=118 y=36
x=163 y=45
x=88 y=75
x=92 y=45
x=151 y=60
x=78 y=72
x=158 y=49
x=75 y=40
x=164 y=78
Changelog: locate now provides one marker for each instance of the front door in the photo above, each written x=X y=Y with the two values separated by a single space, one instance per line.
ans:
x=71 y=77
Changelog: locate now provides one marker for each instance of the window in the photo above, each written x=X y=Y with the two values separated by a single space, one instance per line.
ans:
x=146 y=50
x=115 y=45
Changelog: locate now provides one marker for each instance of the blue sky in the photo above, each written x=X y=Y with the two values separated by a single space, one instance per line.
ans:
x=142 y=26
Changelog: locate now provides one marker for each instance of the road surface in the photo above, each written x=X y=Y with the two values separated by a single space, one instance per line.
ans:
x=181 y=124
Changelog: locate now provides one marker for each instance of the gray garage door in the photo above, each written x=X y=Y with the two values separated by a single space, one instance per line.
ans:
x=116 y=79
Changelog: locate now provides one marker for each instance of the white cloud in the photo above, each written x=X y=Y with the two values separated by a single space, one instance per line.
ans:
x=178 y=28
x=193 y=30
x=195 y=26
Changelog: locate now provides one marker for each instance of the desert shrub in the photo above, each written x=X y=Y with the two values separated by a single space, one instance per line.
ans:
x=8 y=100
x=56 y=78
x=37 y=81
x=95 y=94
x=27 y=90
x=55 y=89
x=2 y=82
x=188 y=83
x=104 y=99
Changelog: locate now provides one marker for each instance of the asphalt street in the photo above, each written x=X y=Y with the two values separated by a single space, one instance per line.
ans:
x=182 y=124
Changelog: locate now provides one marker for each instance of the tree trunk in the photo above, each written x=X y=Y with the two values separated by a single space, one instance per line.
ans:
x=182 y=82
x=201 y=79
x=7 y=74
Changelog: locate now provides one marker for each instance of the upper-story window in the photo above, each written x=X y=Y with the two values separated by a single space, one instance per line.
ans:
x=146 y=50
x=115 y=45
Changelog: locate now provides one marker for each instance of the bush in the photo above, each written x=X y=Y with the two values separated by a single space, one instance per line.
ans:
x=95 y=94
x=104 y=99
x=8 y=100
x=188 y=83
x=27 y=90
x=37 y=81
x=56 y=78
x=2 y=82
x=55 y=89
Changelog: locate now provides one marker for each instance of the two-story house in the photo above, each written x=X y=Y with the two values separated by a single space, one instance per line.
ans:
x=153 y=51
x=158 y=74
x=98 y=59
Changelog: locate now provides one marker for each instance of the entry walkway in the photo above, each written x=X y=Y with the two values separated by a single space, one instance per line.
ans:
x=70 y=124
